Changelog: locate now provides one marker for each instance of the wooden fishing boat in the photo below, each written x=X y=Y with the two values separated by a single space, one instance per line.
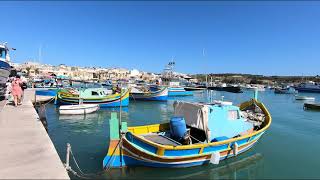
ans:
x=47 y=92
x=211 y=132
x=160 y=94
x=93 y=96
x=311 y=106
x=78 y=109
x=305 y=98
x=288 y=90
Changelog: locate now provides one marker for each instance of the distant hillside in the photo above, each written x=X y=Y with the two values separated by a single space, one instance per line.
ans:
x=254 y=79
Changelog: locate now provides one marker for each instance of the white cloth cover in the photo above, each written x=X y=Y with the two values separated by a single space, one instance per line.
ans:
x=195 y=115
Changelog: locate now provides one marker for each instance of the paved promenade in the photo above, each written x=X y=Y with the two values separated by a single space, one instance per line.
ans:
x=26 y=150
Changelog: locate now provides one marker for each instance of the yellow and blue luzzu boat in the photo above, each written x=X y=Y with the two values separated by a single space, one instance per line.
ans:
x=159 y=94
x=93 y=96
x=199 y=134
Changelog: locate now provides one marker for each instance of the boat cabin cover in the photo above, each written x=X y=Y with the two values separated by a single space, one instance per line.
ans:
x=215 y=120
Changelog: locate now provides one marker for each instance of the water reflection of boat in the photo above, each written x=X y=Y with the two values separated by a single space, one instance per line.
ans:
x=248 y=164
x=179 y=91
x=228 y=168
x=79 y=117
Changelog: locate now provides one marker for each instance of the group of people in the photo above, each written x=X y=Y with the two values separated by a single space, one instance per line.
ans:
x=17 y=87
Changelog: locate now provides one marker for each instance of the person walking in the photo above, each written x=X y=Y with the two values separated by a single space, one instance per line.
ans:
x=16 y=90
x=23 y=86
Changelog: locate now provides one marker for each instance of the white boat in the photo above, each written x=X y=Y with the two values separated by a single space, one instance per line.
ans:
x=5 y=67
x=78 y=109
x=309 y=86
x=254 y=87
x=305 y=98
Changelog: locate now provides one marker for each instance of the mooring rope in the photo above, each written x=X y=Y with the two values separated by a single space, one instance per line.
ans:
x=83 y=175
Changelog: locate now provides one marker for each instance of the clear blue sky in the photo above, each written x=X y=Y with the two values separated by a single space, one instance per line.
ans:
x=269 y=38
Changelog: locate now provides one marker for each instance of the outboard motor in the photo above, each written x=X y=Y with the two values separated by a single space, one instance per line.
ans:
x=178 y=130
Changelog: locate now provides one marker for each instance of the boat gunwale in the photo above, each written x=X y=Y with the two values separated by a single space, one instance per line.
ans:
x=79 y=108
x=108 y=98
x=150 y=93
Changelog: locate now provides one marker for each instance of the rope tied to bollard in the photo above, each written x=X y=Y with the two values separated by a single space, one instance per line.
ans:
x=83 y=175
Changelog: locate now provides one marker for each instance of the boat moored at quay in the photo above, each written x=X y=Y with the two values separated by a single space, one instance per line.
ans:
x=198 y=134
x=286 y=90
x=78 y=109
x=150 y=94
x=71 y=96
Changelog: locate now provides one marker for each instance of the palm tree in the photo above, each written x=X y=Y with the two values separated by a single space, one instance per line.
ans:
x=28 y=70
x=36 y=71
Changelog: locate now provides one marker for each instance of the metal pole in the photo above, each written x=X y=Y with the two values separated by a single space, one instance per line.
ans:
x=120 y=133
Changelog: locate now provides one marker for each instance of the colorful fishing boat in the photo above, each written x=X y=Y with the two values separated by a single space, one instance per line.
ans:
x=47 y=92
x=287 y=90
x=199 y=134
x=160 y=94
x=93 y=96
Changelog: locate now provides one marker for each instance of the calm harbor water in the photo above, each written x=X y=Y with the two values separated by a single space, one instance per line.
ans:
x=289 y=149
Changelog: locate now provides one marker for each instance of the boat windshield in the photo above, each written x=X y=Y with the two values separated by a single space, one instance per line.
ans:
x=3 y=53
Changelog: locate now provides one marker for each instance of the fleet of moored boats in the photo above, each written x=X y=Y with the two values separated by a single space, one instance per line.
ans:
x=197 y=134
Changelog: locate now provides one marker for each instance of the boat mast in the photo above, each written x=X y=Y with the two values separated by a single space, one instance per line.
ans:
x=203 y=54
x=120 y=122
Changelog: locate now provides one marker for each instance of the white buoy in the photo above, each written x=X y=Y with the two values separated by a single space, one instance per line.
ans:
x=235 y=149
x=215 y=158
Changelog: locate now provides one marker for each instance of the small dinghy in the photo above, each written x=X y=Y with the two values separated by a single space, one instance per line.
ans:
x=311 y=106
x=305 y=98
x=78 y=109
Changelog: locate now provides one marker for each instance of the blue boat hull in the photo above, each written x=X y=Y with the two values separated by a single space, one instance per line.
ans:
x=312 y=90
x=180 y=93
x=48 y=92
x=131 y=159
